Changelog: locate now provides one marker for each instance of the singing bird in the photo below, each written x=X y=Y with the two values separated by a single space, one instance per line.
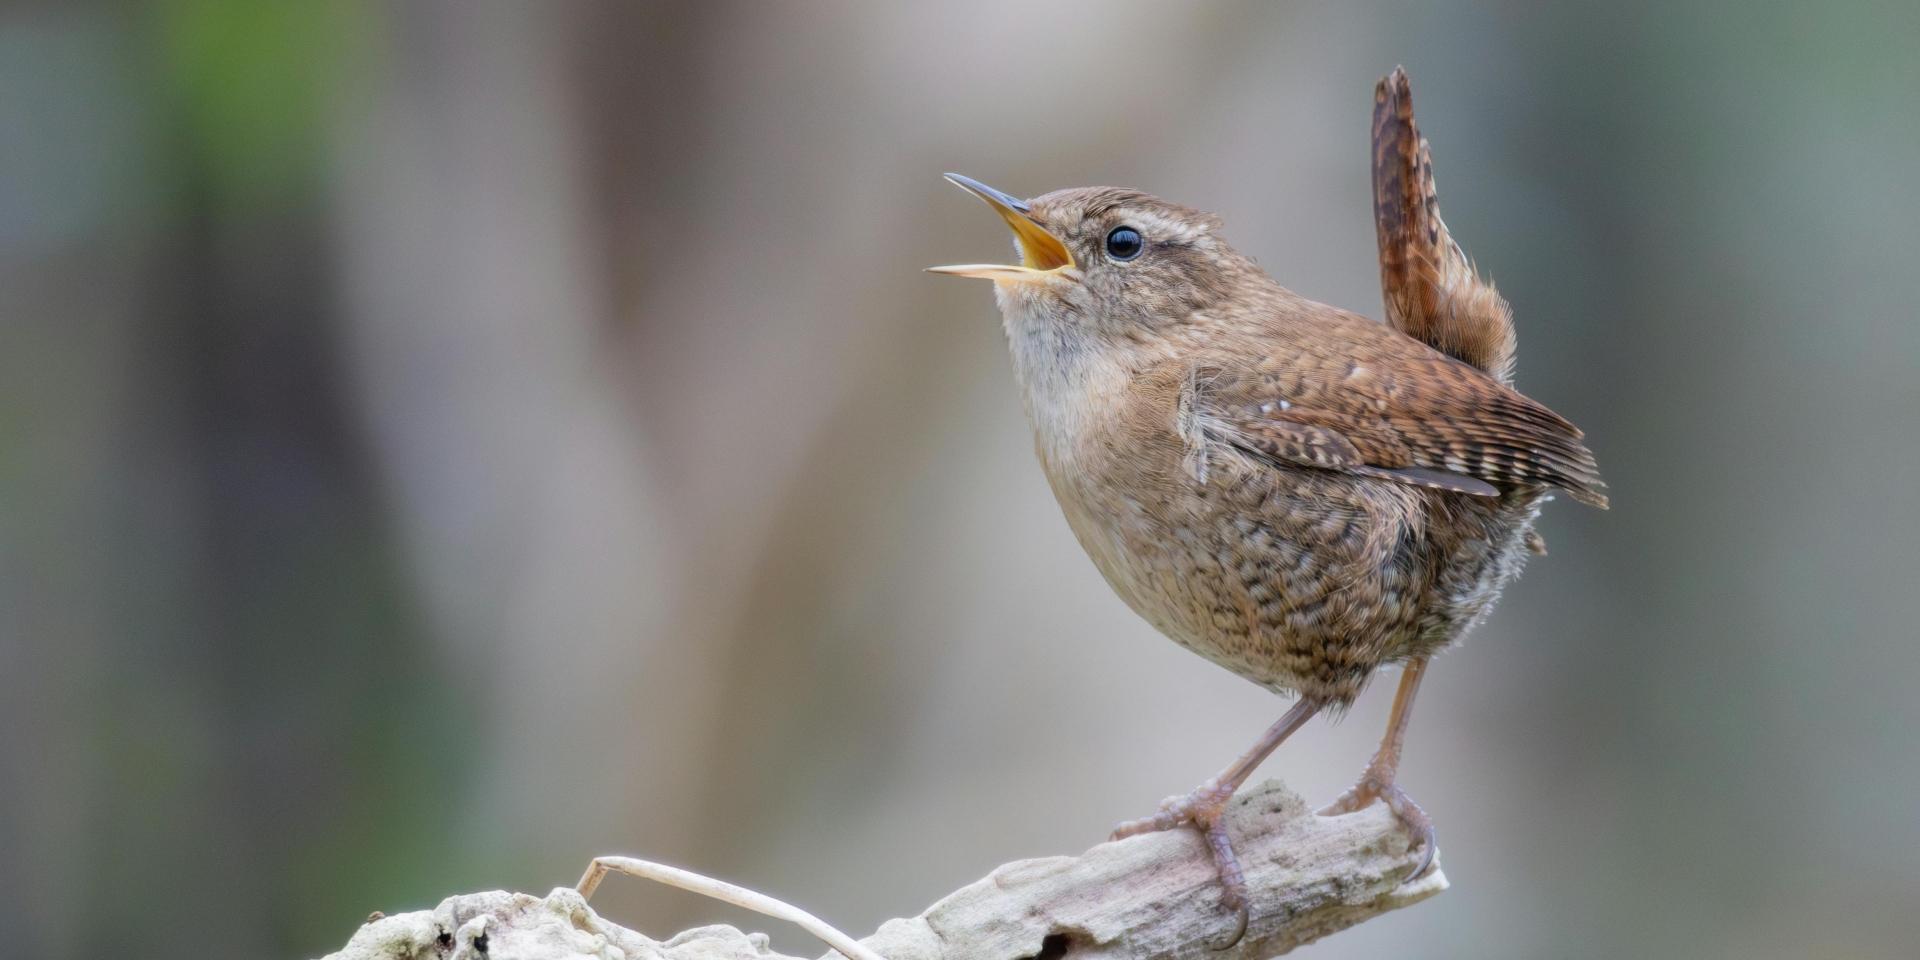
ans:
x=1297 y=493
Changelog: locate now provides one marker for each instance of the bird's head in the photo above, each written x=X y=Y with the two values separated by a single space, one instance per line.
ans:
x=1105 y=261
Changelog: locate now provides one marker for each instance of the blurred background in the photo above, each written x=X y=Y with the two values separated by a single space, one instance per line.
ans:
x=443 y=441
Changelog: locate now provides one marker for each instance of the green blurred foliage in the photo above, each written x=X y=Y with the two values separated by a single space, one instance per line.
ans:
x=255 y=84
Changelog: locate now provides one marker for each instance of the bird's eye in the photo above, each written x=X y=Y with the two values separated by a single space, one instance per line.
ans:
x=1123 y=243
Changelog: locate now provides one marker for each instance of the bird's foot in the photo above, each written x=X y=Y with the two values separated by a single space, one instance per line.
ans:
x=1204 y=808
x=1376 y=784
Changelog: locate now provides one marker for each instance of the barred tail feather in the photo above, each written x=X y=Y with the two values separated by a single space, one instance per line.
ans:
x=1431 y=290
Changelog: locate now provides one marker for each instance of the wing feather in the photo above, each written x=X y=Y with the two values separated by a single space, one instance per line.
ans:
x=1414 y=418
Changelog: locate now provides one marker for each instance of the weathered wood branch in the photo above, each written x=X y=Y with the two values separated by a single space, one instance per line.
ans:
x=1152 y=897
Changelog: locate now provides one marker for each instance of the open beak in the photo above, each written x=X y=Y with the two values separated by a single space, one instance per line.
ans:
x=1041 y=254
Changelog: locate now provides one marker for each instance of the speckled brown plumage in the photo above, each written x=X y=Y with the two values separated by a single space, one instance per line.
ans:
x=1294 y=492
x=1235 y=459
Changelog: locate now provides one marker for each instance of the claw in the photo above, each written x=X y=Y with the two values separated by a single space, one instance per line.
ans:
x=1431 y=843
x=1239 y=931
x=1418 y=823
x=1371 y=789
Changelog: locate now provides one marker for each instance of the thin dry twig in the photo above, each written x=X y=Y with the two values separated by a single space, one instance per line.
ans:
x=727 y=892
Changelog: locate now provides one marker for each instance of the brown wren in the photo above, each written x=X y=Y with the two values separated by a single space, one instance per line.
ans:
x=1295 y=492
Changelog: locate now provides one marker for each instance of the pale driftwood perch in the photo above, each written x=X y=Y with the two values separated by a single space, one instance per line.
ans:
x=1151 y=897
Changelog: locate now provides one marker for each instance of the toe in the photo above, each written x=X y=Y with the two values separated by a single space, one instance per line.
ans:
x=1344 y=804
x=1419 y=825
x=1233 y=883
x=1360 y=796
x=1202 y=806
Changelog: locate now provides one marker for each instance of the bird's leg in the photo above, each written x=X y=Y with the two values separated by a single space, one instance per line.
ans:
x=1377 y=782
x=1207 y=802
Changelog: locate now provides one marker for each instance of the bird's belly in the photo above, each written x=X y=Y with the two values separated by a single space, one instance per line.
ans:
x=1300 y=581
